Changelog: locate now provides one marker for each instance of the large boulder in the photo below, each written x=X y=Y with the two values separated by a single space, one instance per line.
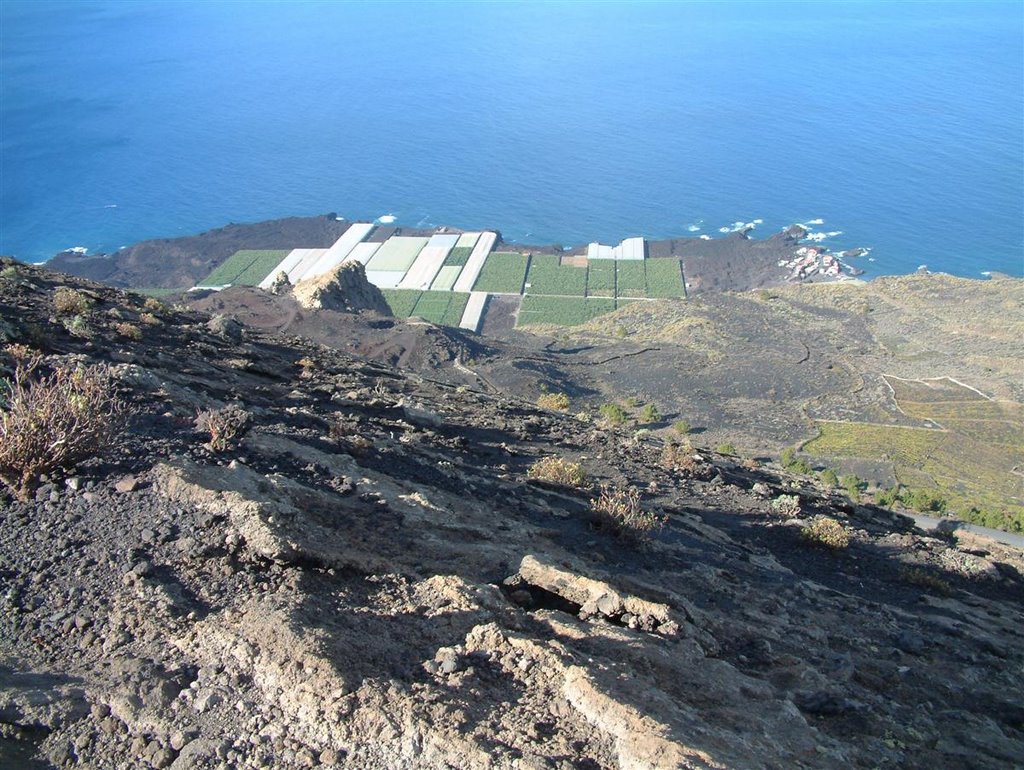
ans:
x=344 y=289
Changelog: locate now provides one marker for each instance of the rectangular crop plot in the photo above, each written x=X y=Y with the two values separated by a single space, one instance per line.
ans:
x=385 y=279
x=562 y=311
x=664 y=278
x=467 y=241
x=245 y=264
x=548 y=276
x=503 y=273
x=458 y=256
x=446 y=278
x=601 y=278
x=631 y=279
x=401 y=301
x=397 y=253
x=456 y=307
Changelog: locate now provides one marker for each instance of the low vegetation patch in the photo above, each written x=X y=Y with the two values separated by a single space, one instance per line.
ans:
x=786 y=505
x=621 y=510
x=826 y=532
x=52 y=422
x=226 y=426
x=558 y=470
x=71 y=302
x=794 y=464
x=556 y=402
x=613 y=413
x=131 y=331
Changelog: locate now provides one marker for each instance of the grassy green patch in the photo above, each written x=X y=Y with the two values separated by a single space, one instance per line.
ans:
x=548 y=276
x=503 y=272
x=444 y=308
x=446 y=278
x=562 y=311
x=245 y=267
x=601 y=278
x=401 y=301
x=458 y=256
x=631 y=278
x=973 y=478
x=665 y=278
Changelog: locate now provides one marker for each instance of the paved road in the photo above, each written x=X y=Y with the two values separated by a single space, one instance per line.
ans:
x=952 y=525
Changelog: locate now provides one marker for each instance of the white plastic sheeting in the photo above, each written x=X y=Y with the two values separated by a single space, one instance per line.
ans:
x=474 y=311
x=429 y=262
x=337 y=253
x=468 y=276
x=631 y=248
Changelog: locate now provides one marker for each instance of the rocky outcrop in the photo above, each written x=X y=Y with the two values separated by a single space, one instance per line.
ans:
x=367 y=580
x=344 y=289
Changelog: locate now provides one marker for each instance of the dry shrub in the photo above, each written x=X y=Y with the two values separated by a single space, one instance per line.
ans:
x=153 y=305
x=786 y=505
x=131 y=331
x=916 y=576
x=556 y=402
x=558 y=470
x=67 y=301
x=678 y=457
x=149 y=319
x=622 y=510
x=826 y=532
x=226 y=426
x=51 y=423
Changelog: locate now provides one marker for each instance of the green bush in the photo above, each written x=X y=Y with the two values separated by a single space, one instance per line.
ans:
x=828 y=478
x=853 y=485
x=726 y=449
x=794 y=464
x=682 y=427
x=68 y=301
x=650 y=414
x=613 y=413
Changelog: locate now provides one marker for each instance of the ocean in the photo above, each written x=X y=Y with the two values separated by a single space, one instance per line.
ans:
x=898 y=126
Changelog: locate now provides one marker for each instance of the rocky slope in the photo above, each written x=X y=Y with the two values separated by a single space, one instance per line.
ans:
x=370 y=580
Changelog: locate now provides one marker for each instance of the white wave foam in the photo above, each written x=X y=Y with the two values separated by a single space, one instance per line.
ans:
x=987 y=273
x=110 y=206
x=705 y=237
x=386 y=219
x=758 y=221
x=834 y=233
x=815 y=222
x=693 y=228
x=725 y=229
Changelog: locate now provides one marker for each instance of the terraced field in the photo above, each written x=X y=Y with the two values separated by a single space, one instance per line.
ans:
x=973 y=457
x=601 y=278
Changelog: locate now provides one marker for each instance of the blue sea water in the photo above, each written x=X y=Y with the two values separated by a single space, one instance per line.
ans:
x=899 y=124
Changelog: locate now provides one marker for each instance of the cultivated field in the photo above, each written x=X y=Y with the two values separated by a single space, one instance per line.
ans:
x=503 y=273
x=548 y=276
x=245 y=268
x=562 y=311
x=444 y=308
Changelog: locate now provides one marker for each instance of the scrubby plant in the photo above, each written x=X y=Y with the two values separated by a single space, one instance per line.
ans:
x=852 y=484
x=929 y=581
x=226 y=426
x=52 y=422
x=68 y=301
x=826 y=532
x=726 y=449
x=794 y=464
x=786 y=505
x=153 y=305
x=556 y=402
x=633 y=402
x=149 y=319
x=131 y=331
x=650 y=414
x=78 y=326
x=828 y=478
x=558 y=470
x=677 y=456
x=682 y=427
x=888 y=497
x=583 y=417
x=613 y=413
x=621 y=510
